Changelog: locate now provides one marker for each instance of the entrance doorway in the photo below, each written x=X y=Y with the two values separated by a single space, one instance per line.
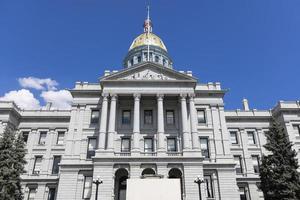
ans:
x=121 y=176
x=176 y=173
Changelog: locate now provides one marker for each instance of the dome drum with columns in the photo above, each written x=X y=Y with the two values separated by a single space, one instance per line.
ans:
x=147 y=47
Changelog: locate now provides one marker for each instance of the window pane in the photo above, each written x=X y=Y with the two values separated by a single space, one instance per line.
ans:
x=126 y=117
x=201 y=116
x=255 y=161
x=125 y=145
x=25 y=135
x=37 y=165
x=251 y=138
x=171 y=142
x=242 y=193
x=208 y=186
x=42 y=139
x=87 y=189
x=238 y=166
x=170 y=116
x=148 y=145
x=92 y=146
x=56 y=161
x=204 y=146
x=95 y=116
x=148 y=117
x=297 y=129
x=51 y=195
x=60 y=138
x=233 y=137
x=31 y=194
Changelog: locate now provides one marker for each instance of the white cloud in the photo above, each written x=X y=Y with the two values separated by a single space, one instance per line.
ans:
x=61 y=99
x=38 y=83
x=23 y=98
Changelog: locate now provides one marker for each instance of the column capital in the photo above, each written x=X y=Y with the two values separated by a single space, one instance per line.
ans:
x=137 y=96
x=113 y=96
x=160 y=96
x=183 y=96
x=192 y=96
x=104 y=95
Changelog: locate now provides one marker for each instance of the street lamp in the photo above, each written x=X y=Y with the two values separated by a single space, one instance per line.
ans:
x=199 y=180
x=97 y=182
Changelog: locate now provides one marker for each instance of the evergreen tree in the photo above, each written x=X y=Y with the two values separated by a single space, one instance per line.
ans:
x=278 y=171
x=19 y=158
x=7 y=183
x=12 y=160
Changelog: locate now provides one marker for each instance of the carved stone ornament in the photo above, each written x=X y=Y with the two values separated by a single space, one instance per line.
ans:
x=147 y=75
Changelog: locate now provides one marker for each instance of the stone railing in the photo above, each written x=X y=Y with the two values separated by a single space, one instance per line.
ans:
x=174 y=153
x=122 y=154
x=149 y=153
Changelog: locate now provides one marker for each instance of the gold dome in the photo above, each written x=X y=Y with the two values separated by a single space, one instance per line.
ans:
x=147 y=38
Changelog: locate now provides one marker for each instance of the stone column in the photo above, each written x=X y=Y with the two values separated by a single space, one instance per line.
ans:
x=160 y=123
x=136 y=123
x=185 y=132
x=112 y=122
x=194 y=129
x=103 y=122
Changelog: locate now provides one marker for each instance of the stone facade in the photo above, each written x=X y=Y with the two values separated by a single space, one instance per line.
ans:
x=145 y=119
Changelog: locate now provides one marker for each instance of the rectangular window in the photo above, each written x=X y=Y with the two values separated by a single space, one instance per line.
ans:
x=243 y=193
x=37 y=165
x=55 y=167
x=251 y=137
x=95 y=116
x=201 y=116
x=148 y=145
x=170 y=117
x=296 y=129
x=208 y=186
x=233 y=137
x=148 y=117
x=31 y=193
x=139 y=59
x=42 y=139
x=204 y=146
x=51 y=194
x=255 y=161
x=125 y=145
x=171 y=142
x=126 y=117
x=25 y=135
x=238 y=166
x=60 y=138
x=92 y=145
x=87 y=187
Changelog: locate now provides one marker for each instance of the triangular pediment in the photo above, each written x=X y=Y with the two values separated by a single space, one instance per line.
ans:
x=148 y=72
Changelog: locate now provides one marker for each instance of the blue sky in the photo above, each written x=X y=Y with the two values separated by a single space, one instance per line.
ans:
x=251 y=47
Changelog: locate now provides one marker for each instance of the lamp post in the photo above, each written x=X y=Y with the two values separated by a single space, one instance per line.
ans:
x=199 y=180
x=97 y=182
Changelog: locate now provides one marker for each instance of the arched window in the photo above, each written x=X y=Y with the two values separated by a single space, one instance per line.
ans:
x=148 y=171
x=121 y=177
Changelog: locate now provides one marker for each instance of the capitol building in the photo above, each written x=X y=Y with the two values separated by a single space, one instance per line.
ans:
x=146 y=121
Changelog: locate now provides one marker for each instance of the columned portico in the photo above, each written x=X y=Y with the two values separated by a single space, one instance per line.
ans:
x=103 y=122
x=195 y=140
x=185 y=132
x=112 y=123
x=136 y=123
x=160 y=123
